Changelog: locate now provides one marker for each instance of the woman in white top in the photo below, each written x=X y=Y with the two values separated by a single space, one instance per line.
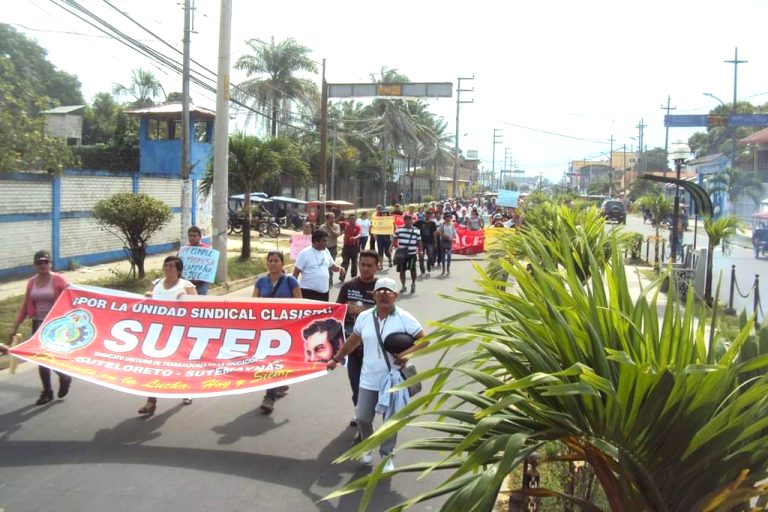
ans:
x=445 y=233
x=365 y=229
x=170 y=287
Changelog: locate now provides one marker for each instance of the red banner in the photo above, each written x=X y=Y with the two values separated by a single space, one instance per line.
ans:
x=194 y=347
x=468 y=242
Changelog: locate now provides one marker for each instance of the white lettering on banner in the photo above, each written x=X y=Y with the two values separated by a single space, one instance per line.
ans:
x=129 y=341
x=230 y=348
x=149 y=347
x=265 y=348
x=202 y=336
x=271 y=342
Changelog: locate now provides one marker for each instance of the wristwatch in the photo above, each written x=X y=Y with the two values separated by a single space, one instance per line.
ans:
x=335 y=360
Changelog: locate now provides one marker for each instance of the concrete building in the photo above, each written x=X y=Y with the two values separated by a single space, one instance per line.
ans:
x=65 y=123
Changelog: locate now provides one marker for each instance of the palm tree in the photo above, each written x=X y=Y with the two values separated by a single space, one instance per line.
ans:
x=275 y=84
x=737 y=183
x=661 y=208
x=659 y=411
x=720 y=231
x=255 y=163
x=144 y=87
x=397 y=128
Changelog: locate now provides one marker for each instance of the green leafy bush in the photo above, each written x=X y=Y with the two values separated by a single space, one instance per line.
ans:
x=661 y=411
x=107 y=158
x=133 y=218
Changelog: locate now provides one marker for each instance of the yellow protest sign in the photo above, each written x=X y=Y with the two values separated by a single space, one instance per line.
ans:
x=382 y=225
x=492 y=236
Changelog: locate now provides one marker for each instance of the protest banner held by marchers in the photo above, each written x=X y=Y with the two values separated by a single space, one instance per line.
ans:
x=193 y=347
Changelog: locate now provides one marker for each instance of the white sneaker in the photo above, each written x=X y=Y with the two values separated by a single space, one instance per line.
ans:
x=389 y=465
x=367 y=458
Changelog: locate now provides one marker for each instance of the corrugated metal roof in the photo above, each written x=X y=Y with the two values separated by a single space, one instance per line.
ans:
x=704 y=159
x=756 y=138
x=168 y=109
x=68 y=109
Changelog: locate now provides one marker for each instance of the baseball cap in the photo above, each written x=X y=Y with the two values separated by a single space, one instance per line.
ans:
x=42 y=256
x=385 y=283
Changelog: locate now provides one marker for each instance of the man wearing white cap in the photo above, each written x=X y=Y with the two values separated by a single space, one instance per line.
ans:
x=372 y=324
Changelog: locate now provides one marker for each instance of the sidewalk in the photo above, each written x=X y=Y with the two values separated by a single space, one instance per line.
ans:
x=82 y=275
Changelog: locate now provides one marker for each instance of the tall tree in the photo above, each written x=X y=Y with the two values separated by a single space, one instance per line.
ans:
x=144 y=88
x=253 y=164
x=719 y=139
x=40 y=76
x=100 y=120
x=736 y=183
x=275 y=83
x=25 y=80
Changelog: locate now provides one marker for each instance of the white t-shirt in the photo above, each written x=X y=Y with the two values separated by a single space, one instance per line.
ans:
x=365 y=226
x=314 y=266
x=160 y=292
x=374 y=367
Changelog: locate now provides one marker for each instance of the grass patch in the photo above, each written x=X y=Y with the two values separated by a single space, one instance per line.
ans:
x=240 y=269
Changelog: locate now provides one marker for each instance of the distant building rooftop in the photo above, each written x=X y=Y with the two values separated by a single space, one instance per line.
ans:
x=704 y=159
x=69 y=109
x=173 y=110
x=760 y=137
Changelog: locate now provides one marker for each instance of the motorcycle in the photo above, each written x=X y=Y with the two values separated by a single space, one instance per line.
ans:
x=647 y=216
x=266 y=225
x=235 y=223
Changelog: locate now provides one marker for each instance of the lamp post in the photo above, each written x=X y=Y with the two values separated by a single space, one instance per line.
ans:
x=680 y=152
x=733 y=129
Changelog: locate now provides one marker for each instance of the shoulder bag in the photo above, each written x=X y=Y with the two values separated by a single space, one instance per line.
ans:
x=409 y=370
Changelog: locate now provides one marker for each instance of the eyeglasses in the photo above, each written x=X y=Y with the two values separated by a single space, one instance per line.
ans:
x=43 y=262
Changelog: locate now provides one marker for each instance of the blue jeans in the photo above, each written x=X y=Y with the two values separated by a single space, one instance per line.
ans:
x=365 y=411
x=445 y=263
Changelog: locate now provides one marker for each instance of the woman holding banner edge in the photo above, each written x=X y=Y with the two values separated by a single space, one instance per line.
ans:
x=170 y=287
x=276 y=284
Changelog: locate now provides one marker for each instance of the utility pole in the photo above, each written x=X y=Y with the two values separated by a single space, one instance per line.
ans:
x=497 y=139
x=322 y=178
x=221 y=142
x=666 y=135
x=186 y=189
x=333 y=161
x=459 y=90
x=640 y=162
x=735 y=63
x=610 y=169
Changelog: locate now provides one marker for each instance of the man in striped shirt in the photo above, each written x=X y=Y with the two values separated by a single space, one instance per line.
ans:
x=408 y=238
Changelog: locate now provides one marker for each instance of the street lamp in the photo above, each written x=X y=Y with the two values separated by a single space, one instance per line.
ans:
x=680 y=152
x=733 y=129
x=714 y=97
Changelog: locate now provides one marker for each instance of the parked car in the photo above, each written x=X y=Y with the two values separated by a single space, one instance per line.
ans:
x=614 y=210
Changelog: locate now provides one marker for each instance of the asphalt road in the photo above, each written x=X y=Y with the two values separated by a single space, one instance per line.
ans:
x=741 y=256
x=91 y=452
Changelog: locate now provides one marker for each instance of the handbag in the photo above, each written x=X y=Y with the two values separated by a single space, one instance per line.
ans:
x=400 y=254
x=409 y=370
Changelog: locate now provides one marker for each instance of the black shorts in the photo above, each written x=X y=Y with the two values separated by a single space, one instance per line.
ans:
x=408 y=264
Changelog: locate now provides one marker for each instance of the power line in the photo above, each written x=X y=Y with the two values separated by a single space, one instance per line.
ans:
x=553 y=133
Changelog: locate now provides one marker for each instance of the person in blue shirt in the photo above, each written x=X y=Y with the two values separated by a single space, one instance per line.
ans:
x=276 y=284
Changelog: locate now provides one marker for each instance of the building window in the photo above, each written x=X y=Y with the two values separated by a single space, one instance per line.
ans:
x=157 y=129
x=202 y=133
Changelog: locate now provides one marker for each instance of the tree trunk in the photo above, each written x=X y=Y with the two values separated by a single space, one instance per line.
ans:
x=708 y=281
x=274 y=117
x=139 y=255
x=245 y=252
